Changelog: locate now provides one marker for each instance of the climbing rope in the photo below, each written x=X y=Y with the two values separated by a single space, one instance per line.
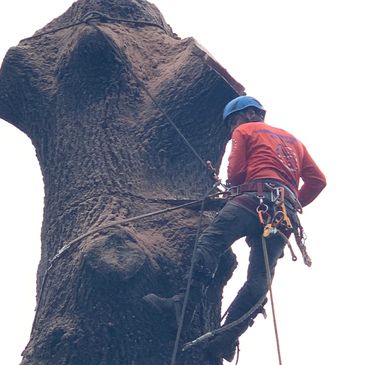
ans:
x=159 y=107
x=72 y=244
x=206 y=164
x=190 y=277
x=98 y=16
x=269 y=284
x=101 y=17
x=95 y=15
x=128 y=220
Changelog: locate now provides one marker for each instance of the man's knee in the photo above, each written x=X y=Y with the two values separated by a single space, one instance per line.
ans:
x=204 y=267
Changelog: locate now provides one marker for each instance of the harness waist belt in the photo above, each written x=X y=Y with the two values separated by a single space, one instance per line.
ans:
x=256 y=187
x=260 y=187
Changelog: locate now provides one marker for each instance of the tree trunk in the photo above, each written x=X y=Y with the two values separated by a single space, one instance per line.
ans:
x=95 y=99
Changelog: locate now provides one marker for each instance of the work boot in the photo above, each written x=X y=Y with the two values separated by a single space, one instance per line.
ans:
x=222 y=349
x=174 y=304
x=223 y=346
x=230 y=351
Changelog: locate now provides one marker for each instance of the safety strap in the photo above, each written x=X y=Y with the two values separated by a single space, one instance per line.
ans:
x=260 y=187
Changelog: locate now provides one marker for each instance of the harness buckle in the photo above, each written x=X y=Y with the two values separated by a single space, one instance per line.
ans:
x=261 y=210
x=233 y=190
x=275 y=194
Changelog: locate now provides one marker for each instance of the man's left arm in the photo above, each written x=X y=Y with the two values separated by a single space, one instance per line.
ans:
x=237 y=159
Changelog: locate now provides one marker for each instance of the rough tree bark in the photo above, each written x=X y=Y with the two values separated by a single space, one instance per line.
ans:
x=107 y=152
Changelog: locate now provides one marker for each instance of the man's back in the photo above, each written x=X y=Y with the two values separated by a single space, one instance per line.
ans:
x=260 y=151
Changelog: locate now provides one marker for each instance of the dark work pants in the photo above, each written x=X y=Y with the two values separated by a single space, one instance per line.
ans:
x=233 y=222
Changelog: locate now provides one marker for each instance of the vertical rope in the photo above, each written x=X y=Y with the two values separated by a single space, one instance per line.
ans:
x=190 y=277
x=269 y=283
x=153 y=99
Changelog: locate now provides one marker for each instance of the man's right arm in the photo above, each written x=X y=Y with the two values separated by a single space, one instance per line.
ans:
x=314 y=180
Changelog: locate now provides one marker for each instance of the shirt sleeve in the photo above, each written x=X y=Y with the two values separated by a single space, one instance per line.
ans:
x=237 y=160
x=314 y=180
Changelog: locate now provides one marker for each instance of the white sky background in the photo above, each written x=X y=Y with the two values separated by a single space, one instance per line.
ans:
x=304 y=61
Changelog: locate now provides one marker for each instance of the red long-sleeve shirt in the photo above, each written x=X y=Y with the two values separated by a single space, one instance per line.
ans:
x=260 y=151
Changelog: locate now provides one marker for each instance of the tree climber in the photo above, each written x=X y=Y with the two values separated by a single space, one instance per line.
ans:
x=263 y=160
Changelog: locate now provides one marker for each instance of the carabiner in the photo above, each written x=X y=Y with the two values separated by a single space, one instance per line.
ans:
x=261 y=212
x=278 y=217
x=266 y=208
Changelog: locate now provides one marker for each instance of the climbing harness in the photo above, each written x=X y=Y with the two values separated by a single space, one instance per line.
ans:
x=276 y=220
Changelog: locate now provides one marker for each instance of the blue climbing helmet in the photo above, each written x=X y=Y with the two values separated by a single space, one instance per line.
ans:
x=241 y=103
